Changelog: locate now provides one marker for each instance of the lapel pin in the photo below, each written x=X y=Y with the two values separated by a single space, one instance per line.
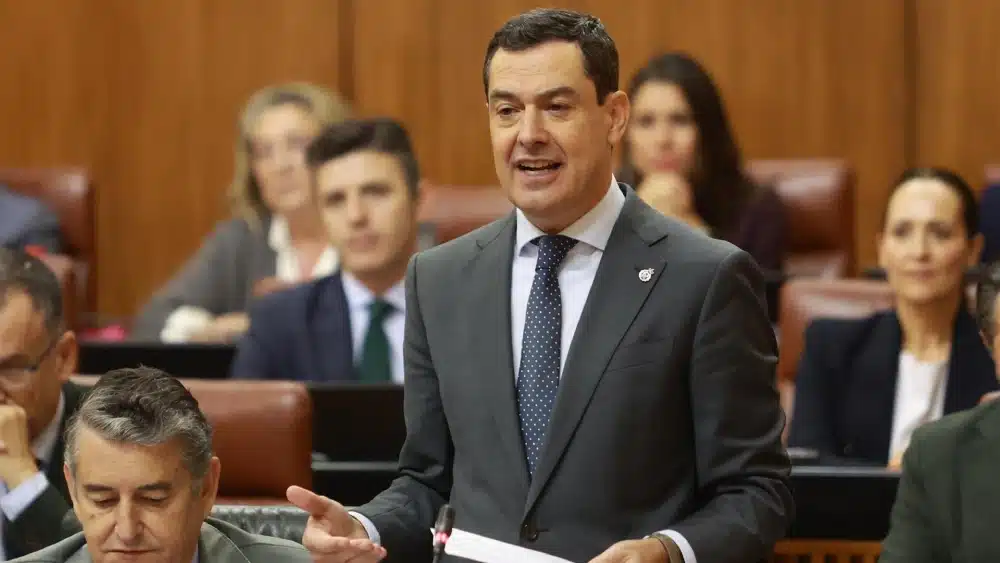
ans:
x=645 y=275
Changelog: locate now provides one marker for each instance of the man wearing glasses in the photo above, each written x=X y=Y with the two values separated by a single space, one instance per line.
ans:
x=37 y=357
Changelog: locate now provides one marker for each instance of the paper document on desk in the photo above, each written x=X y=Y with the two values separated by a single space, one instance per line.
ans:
x=486 y=550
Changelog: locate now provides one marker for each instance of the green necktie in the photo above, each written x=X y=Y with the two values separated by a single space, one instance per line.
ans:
x=375 y=364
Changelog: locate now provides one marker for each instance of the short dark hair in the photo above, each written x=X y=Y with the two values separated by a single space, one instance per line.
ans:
x=382 y=135
x=542 y=25
x=147 y=407
x=987 y=291
x=957 y=184
x=21 y=271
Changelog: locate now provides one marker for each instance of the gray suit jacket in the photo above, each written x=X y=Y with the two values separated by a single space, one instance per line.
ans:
x=219 y=543
x=948 y=505
x=219 y=278
x=667 y=415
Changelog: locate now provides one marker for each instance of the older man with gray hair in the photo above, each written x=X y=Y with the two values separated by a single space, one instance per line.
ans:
x=143 y=479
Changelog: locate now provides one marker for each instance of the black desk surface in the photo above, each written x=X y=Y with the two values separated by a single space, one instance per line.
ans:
x=831 y=502
x=197 y=361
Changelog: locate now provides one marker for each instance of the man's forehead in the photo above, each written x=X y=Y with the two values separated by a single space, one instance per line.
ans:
x=129 y=465
x=543 y=67
x=358 y=168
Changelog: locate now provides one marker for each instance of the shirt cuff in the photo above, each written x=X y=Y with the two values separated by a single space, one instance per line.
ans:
x=184 y=322
x=682 y=544
x=17 y=501
x=370 y=528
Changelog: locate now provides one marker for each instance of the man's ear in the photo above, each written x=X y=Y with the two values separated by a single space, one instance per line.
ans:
x=69 y=352
x=210 y=485
x=617 y=109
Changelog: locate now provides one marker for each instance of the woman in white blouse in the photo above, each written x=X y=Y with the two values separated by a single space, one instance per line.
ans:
x=275 y=237
x=863 y=386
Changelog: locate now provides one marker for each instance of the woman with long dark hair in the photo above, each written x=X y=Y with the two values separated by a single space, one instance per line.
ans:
x=681 y=156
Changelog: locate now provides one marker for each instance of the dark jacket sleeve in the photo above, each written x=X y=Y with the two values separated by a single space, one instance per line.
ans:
x=742 y=468
x=257 y=354
x=43 y=523
x=812 y=423
x=404 y=513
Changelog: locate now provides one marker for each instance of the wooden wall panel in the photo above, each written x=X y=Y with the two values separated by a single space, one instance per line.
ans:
x=145 y=95
x=814 y=78
x=957 y=85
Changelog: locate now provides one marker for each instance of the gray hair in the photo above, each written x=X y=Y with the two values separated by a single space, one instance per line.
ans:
x=146 y=407
x=20 y=271
x=987 y=290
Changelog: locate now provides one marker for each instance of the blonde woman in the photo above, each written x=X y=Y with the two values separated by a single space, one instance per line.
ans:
x=274 y=238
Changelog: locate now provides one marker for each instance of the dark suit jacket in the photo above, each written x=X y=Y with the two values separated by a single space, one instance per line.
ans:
x=948 y=503
x=302 y=333
x=219 y=542
x=26 y=221
x=667 y=415
x=43 y=522
x=845 y=388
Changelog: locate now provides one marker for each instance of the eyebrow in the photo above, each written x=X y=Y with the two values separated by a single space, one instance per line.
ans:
x=546 y=94
x=159 y=486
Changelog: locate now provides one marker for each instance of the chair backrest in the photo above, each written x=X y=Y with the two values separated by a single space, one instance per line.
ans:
x=805 y=299
x=67 y=191
x=453 y=211
x=826 y=551
x=819 y=197
x=263 y=436
x=285 y=522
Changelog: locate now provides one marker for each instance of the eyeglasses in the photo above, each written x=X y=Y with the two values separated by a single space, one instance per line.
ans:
x=13 y=377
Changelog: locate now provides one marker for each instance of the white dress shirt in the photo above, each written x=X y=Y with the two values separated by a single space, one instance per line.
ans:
x=359 y=298
x=576 y=276
x=186 y=320
x=14 y=502
x=919 y=399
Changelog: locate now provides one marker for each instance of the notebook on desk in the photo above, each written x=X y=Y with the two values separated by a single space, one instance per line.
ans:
x=196 y=361
x=358 y=421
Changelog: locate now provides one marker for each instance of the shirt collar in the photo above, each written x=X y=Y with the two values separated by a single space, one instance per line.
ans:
x=45 y=444
x=359 y=297
x=277 y=234
x=594 y=228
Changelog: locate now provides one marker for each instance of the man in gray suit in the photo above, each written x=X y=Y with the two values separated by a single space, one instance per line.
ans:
x=584 y=377
x=143 y=479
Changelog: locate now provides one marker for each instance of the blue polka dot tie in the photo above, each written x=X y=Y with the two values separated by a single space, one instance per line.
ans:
x=538 y=375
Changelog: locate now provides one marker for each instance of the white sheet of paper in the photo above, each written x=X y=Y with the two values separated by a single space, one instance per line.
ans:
x=487 y=550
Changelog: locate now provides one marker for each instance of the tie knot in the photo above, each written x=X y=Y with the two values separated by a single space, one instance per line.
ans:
x=379 y=309
x=552 y=250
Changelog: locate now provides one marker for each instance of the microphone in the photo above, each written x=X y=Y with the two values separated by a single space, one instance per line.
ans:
x=442 y=530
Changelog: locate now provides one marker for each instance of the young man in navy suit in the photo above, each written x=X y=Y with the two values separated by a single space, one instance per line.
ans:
x=347 y=326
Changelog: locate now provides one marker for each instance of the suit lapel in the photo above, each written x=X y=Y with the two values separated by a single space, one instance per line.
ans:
x=490 y=278
x=874 y=390
x=975 y=477
x=331 y=357
x=615 y=299
x=962 y=387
